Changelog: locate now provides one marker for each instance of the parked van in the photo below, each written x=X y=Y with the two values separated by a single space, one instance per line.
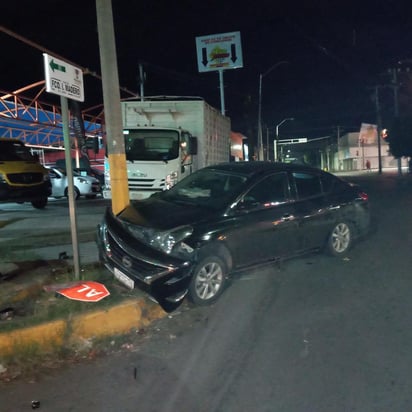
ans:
x=22 y=177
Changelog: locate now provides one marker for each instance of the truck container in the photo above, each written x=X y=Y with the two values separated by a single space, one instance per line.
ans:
x=166 y=140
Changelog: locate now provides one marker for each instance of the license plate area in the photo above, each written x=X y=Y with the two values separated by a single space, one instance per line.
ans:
x=122 y=278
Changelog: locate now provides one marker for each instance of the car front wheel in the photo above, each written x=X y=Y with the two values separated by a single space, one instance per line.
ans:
x=40 y=203
x=340 y=239
x=208 y=281
x=76 y=192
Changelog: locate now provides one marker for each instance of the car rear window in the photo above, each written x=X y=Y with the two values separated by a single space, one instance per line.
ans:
x=307 y=185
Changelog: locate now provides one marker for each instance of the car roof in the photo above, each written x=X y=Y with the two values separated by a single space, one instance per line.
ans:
x=261 y=167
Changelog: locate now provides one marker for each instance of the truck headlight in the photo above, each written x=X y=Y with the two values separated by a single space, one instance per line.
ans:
x=107 y=180
x=171 y=180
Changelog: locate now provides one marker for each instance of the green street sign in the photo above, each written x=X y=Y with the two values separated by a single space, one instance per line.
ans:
x=63 y=78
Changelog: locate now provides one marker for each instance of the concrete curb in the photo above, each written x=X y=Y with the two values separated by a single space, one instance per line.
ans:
x=8 y=269
x=119 y=319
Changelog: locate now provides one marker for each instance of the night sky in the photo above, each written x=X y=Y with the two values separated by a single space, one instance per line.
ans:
x=337 y=53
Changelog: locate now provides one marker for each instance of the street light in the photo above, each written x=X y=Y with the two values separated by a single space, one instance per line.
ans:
x=261 y=76
x=275 y=142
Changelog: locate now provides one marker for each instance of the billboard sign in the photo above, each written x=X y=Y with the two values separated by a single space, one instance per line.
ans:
x=219 y=51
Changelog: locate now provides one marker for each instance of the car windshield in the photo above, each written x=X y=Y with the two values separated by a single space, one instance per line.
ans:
x=151 y=144
x=208 y=187
x=14 y=151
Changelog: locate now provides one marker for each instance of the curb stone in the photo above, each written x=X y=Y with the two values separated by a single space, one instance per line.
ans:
x=116 y=320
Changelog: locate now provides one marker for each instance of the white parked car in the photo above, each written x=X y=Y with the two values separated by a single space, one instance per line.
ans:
x=84 y=185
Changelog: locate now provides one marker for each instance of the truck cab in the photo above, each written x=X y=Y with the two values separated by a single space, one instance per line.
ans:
x=156 y=159
x=22 y=177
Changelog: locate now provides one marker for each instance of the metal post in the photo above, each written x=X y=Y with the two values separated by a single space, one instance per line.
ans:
x=277 y=136
x=69 y=172
x=222 y=92
x=260 y=137
x=260 y=143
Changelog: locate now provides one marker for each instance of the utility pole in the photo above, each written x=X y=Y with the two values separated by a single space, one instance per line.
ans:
x=396 y=107
x=337 y=145
x=112 y=110
x=379 y=128
x=141 y=81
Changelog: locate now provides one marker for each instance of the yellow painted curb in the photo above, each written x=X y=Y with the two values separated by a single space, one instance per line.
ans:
x=40 y=337
x=116 y=320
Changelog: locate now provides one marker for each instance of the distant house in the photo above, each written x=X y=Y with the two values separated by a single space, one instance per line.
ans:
x=237 y=147
x=355 y=149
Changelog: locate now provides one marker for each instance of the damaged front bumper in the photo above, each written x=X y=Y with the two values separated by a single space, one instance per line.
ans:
x=165 y=278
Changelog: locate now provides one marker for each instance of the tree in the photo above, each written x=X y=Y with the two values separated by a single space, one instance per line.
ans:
x=399 y=136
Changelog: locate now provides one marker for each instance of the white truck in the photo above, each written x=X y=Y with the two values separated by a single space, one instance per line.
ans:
x=166 y=140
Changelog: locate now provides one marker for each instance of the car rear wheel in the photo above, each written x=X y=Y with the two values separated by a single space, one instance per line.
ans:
x=208 y=281
x=340 y=239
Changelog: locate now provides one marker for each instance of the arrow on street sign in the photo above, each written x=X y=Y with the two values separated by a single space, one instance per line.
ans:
x=54 y=66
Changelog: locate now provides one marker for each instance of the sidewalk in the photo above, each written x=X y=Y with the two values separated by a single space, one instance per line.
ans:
x=18 y=282
x=88 y=254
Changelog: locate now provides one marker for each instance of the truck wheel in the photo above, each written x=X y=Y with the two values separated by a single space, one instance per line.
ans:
x=340 y=239
x=39 y=203
x=208 y=281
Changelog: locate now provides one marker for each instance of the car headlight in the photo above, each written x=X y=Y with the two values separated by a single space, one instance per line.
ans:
x=166 y=241
x=2 y=178
x=83 y=181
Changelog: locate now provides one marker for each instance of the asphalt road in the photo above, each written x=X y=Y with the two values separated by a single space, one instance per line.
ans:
x=315 y=334
x=24 y=227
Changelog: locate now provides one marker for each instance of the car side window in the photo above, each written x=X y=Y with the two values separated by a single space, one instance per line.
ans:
x=332 y=184
x=307 y=185
x=53 y=174
x=270 y=191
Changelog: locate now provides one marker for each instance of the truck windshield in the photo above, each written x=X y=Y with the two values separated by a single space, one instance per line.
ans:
x=151 y=144
x=12 y=151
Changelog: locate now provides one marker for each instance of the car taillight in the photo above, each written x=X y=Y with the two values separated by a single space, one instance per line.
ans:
x=364 y=196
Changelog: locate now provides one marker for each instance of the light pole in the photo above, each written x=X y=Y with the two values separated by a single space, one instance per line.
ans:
x=260 y=137
x=275 y=142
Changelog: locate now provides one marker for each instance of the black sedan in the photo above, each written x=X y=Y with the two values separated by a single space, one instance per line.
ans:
x=223 y=218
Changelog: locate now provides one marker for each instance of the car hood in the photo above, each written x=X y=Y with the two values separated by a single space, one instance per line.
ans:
x=163 y=215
